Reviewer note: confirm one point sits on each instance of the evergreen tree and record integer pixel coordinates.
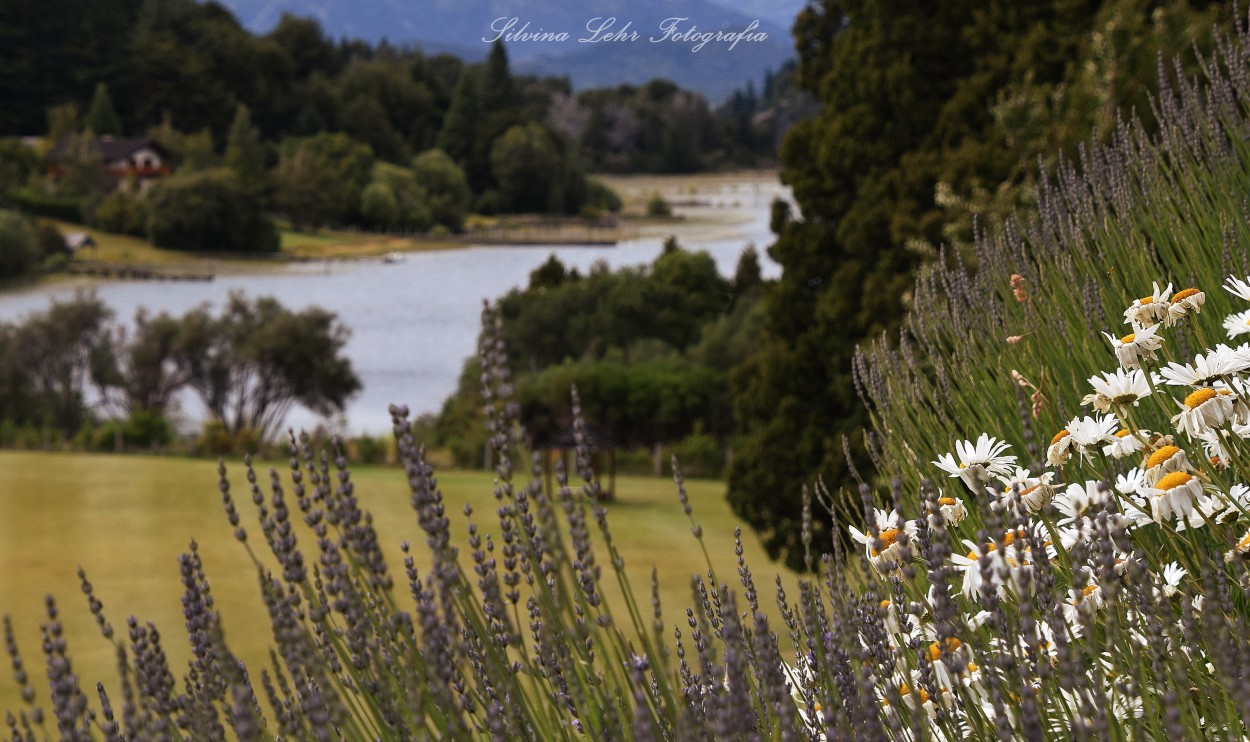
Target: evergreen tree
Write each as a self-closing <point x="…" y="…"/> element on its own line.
<point x="461" y="132"/>
<point x="101" y="116"/>
<point x="245" y="154"/>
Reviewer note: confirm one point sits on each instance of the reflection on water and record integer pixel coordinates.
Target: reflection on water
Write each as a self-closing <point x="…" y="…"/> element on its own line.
<point x="415" y="321"/>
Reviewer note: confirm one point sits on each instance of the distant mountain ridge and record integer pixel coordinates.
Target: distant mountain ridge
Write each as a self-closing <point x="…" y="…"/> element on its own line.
<point x="654" y="48"/>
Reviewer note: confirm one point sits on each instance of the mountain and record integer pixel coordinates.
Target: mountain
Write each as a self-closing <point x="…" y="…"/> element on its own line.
<point x="593" y="42"/>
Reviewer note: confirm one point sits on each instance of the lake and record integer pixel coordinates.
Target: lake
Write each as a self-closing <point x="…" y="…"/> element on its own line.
<point x="415" y="321"/>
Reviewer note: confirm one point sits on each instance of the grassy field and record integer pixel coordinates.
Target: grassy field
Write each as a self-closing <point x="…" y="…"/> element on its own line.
<point x="125" y="520"/>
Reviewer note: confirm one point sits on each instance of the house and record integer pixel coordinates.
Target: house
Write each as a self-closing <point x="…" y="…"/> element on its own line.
<point x="138" y="159"/>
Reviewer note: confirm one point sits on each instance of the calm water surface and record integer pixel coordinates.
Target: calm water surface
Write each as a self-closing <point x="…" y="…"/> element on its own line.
<point x="415" y="322"/>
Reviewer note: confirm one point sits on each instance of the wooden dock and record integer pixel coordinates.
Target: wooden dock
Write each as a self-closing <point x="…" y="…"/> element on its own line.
<point x="130" y="271"/>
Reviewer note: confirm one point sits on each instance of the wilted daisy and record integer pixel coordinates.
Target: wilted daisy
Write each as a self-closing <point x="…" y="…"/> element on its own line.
<point x="1124" y="443"/>
<point x="1231" y="504"/>
<point x="1034" y="492"/>
<point x="1237" y="324"/>
<point x="978" y="462"/>
<point x="1060" y="449"/>
<point x="1238" y="287"/>
<point x="889" y="527"/>
<point x="1173" y="496"/>
<point x="952" y="509"/>
<point x="1149" y="310"/>
<point x="1165" y="460"/>
<point x="1219" y="363"/>
<point x="1117" y="387"/>
<point x="1182" y="304"/>
<point x="1138" y="346"/>
<point x="1203" y="410"/>
<point x="1241" y="548"/>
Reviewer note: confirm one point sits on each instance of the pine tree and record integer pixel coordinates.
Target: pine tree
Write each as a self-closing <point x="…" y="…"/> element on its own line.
<point x="245" y="154"/>
<point x="461" y="132"/>
<point x="101" y="116"/>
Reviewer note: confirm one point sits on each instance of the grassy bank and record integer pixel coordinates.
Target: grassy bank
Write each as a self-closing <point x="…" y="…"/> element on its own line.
<point x="125" y="520"/>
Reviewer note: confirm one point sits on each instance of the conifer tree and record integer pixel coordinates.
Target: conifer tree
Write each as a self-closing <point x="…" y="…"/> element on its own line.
<point x="101" y="116"/>
<point x="245" y="154"/>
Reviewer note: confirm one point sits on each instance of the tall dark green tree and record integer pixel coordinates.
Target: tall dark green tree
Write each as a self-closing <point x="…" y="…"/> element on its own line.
<point x="101" y="116"/>
<point x="461" y="134"/>
<point x="245" y="154"/>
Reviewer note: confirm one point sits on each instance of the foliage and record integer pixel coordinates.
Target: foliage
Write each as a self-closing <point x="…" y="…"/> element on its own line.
<point x="208" y="210"/>
<point x="535" y="173"/>
<point x="253" y="362"/>
<point x="894" y="133"/>
<point x="245" y="154"/>
<point x="18" y="163"/>
<point x="446" y="188"/>
<point x="19" y="245"/>
<point x="122" y="212"/>
<point x="101" y="117"/>
<point x="319" y="180"/>
<point x="657" y="206"/>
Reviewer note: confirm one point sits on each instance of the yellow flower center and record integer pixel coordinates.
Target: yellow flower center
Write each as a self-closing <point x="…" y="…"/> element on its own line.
<point x="884" y="604"/>
<point x="1244" y="544"/>
<point x="1183" y="295"/>
<point x="946" y="501"/>
<point x="888" y="537"/>
<point x="935" y="649"/>
<point x="1129" y="338"/>
<point x="1197" y="398"/>
<point x="1146" y="300"/>
<point x="1160" y="456"/>
<point x="1121" y="434"/>
<point x="1173" y="480"/>
<point x="1060" y="436"/>
<point x="1088" y="590"/>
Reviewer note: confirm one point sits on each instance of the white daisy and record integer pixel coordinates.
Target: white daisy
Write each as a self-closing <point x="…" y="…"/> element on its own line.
<point x="978" y="462"/>
<point x="1117" y="388"/>
<point x="1173" y="496"/>
<point x="1238" y="287"/>
<point x="1149" y="310"/>
<point x="1237" y="324"/>
<point x="1088" y="433"/>
<point x="1173" y="573"/>
<point x="1080" y="501"/>
<point x="1219" y="363"/>
<point x="1006" y="565"/>
<point x="888" y="527"/>
<point x="1184" y="302"/>
<point x="1083" y="601"/>
<point x="1203" y="410"/>
<point x="1124" y="443"/>
<point x="1232" y="504"/>
<point x="1138" y="346"/>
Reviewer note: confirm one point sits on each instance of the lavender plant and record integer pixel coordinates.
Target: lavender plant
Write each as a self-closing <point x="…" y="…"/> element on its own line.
<point x="1099" y="591"/>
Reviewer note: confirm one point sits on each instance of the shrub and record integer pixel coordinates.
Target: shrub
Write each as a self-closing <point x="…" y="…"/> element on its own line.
<point x="208" y="210"/>
<point x="19" y="245"/>
<point x="121" y="213"/>
<point x="32" y="201"/>
<point x="658" y="207"/>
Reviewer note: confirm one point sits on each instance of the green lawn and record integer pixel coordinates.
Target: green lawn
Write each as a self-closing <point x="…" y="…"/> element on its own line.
<point x="126" y="519"/>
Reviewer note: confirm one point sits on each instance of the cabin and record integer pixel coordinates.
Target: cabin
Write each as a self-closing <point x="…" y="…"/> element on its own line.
<point x="140" y="160"/>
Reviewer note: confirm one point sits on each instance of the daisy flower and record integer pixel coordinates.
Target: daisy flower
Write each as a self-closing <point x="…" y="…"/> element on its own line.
<point x="1136" y="347"/>
<point x="1149" y="310"/>
<point x="1184" y="302"/>
<point x="952" y="509"/>
<point x="1080" y="501"/>
<point x="1083" y="601"/>
<point x="1238" y="287"/>
<point x="1237" y="324"/>
<point x="1241" y="548"/>
<point x="1117" y="388"/>
<point x="1034" y="492"/>
<point x="1088" y="433"/>
<point x="1204" y="410"/>
<point x="1004" y="567"/>
<point x="1174" y="496"/>
<point x="1164" y="460"/>
<point x="1234" y="503"/>
<point x="1124" y="444"/>
<point x="1221" y="362"/>
<point x="888" y="528"/>
<point x="1060" y="448"/>
<point x="1173" y="573"/>
<point x="978" y="462"/>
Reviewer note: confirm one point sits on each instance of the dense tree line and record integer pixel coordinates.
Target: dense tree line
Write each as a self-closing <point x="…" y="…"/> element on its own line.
<point x="65" y="370"/>
<point x="305" y="123"/>
<point x="932" y="116"/>
<point x="649" y="348"/>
